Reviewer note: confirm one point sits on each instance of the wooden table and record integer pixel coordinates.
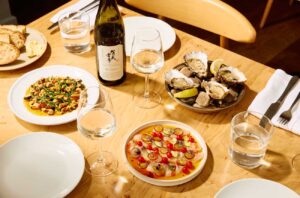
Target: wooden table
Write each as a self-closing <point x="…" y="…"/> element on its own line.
<point x="215" y="127"/>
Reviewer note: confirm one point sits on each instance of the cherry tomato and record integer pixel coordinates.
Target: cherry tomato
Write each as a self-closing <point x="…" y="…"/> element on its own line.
<point x="179" y="137"/>
<point x="154" y="134"/>
<point x="170" y="146"/>
<point x="183" y="149"/>
<point x="139" y="143"/>
<point x="155" y="150"/>
<point x="160" y="135"/>
<point x="191" y="139"/>
<point x="185" y="170"/>
<point x="164" y="160"/>
<point x="169" y="155"/>
<point x="141" y="159"/>
<point x="149" y="147"/>
<point x="189" y="165"/>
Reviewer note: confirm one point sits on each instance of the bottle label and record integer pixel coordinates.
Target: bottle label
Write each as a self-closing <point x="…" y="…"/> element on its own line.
<point x="110" y="59"/>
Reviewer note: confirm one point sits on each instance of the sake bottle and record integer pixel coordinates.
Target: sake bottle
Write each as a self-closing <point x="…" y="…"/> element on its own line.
<point x="110" y="43"/>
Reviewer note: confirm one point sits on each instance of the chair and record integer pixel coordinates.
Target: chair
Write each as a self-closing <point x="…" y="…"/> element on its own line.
<point x="267" y="11"/>
<point x="212" y="15"/>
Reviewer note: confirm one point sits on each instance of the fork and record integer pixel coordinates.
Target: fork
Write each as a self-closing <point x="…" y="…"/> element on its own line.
<point x="286" y="116"/>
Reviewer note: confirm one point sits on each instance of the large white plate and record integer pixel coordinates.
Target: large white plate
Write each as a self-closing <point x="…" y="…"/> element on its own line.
<point x="132" y="24"/>
<point x="40" y="164"/>
<point x="23" y="60"/>
<point x="258" y="188"/>
<point x="18" y="90"/>
<point x="174" y="182"/>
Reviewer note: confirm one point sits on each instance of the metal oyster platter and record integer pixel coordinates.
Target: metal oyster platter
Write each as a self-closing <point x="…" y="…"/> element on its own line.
<point x="201" y="86"/>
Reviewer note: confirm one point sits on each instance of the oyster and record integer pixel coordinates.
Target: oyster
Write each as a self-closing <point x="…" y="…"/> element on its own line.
<point x="186" y="71"/>
<point x="215" y="89"/>
<point x="178" y="80"/>
<point x="197" y="62"/>
<point x="230" y="75"/>
<point x="203" y="99"/>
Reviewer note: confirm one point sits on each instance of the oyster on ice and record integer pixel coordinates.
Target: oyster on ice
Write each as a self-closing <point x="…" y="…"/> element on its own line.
<point x="230" y="75"/>
<point x="197" y="62"/>
<point x="215" y="89"/>
<point x="178" y="80"/>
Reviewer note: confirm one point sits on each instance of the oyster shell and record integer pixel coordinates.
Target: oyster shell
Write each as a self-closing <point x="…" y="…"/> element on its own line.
<point x="215" y="89"/>
<point x="178" y="80"/>
<point x="230" y="75"/>
<point x="203" y="99"/>
<point x="197" y="62"/>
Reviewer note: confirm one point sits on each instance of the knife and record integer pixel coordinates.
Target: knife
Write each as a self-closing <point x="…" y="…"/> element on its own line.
<point x="273" y="108"/>
<point x="81" y="9"/>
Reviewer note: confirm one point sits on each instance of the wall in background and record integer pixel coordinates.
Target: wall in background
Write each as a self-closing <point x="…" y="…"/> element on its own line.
<point x="5" y="14"/>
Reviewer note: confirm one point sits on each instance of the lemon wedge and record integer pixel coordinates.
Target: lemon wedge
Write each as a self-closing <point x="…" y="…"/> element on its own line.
<point x="215" y="66"/>
<point x="187" y="93"/>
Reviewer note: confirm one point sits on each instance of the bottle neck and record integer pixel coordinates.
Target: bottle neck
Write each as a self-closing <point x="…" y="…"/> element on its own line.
<point x="108" y="3"/>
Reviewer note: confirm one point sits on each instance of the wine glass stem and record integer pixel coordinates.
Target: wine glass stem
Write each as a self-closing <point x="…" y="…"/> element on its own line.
<point x="146" y="92"/>
<point x="100" y="160"/>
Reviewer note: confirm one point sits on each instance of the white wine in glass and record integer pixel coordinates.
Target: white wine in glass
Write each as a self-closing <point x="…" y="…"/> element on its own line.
<point x="95" y="120"/>
<point x="147" y="57"/>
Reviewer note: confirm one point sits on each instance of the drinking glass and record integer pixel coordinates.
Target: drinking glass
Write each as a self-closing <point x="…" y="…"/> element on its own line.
<point x="249" y="140"/>
<point x="296" y="162"/>
<point x="96" y="120"/>
<point x="147" y="57"/>
<point x="75" y="31"/>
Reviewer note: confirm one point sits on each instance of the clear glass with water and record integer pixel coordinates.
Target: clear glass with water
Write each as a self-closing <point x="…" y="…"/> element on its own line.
<point x="249" y="140"/>
<point x="75" y="31"/>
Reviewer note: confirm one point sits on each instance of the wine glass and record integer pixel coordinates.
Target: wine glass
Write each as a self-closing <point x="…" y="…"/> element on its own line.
<point x="96" y="120"/>
<point x="147" y="57"/>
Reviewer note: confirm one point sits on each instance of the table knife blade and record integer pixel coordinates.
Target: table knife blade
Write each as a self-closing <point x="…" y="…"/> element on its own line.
<point x="274" y="107"/>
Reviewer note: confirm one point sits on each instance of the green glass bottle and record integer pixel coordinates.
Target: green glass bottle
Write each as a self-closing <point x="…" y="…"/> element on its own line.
<point x="110" y="43"/>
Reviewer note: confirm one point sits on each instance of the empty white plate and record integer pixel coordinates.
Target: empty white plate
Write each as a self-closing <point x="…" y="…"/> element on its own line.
<point x="258" y="188"/>
<point x="18" y="90"/>
<point x="132" y="24"/>
<point x="40" y="164"/>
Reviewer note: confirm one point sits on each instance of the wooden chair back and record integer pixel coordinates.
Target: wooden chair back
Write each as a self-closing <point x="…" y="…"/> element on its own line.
<point x="212" y="15"/>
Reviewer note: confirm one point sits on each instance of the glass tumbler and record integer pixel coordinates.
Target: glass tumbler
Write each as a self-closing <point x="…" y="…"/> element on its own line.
<point x="75" y="31"/>
<point x="249" y="140"/>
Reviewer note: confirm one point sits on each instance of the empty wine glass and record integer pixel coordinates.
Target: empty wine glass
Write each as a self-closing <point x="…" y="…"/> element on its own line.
<point x="96" y="120"/>
<point x="147" y="57"/>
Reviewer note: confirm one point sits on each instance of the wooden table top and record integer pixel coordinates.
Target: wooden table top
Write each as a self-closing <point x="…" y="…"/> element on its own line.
<point x="214" y="127"/>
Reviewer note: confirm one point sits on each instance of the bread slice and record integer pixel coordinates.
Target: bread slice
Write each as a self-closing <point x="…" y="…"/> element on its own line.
<point x="17" y="38"/>
<point x="19" y="28"/>
<point x="8" y="53"/>
<point x="33" y="48"/>
<point x="4" y="38"/>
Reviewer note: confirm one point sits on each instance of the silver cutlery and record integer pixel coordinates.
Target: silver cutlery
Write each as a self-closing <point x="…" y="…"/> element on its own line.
<point x="286" y="116"/>
<point x="274" y="107"/>
<point x="81" y="9"/>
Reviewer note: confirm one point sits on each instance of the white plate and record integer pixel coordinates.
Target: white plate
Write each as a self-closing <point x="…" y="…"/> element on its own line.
<point x="40" y="164"/>
<point x="18" y="90"/>
<point x="258" y="188"/>
<point x="132" y="24"/>
<point x="173" y="182"/>
<point x="23" y="60"/>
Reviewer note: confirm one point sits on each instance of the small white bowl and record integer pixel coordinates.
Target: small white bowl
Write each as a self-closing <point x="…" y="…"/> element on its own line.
<point x="173" y="182"/>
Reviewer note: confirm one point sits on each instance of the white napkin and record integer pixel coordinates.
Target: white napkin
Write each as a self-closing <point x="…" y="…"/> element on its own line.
<point x="80" y="4"/>
<point x="273" y="90"/>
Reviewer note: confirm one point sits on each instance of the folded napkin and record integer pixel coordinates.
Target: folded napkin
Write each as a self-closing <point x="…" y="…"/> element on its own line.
<point x="271" y="93"/>
<point x="80" y="4"/>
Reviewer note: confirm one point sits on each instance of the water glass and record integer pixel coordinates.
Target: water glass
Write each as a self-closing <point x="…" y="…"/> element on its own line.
<point x="75" y="31"/>
<point x="249" y="140"/>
